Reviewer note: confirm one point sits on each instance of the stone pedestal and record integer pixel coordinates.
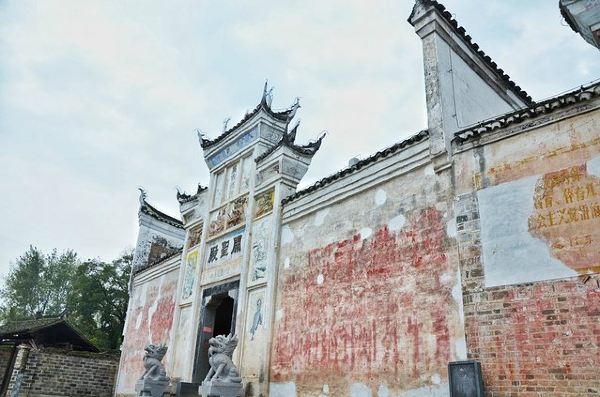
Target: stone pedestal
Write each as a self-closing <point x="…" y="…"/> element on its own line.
<point x="214" y="388"/>
<point x="153" y="388"/>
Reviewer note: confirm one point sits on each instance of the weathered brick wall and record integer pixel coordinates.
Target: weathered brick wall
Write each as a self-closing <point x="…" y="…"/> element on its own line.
<point x="532" y="339"/>
<point x="66" y="373"/>
<point x="369" y="293"/>
<point x="528" y="253"/>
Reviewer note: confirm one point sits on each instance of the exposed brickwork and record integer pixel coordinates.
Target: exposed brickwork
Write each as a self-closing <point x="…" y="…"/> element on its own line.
<point x="535" y="339"/>
<point x="5" y="353"/>
<point x="65" y="373"/>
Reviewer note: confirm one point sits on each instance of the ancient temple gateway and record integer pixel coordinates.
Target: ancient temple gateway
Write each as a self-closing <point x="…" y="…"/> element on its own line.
<point x="476" y="238"/>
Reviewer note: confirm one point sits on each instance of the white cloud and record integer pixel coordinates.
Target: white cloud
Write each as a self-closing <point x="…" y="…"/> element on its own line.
<point x="96" y="99"/>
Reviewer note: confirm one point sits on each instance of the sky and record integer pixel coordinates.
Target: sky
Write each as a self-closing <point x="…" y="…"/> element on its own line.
<point x="99" y="98"/>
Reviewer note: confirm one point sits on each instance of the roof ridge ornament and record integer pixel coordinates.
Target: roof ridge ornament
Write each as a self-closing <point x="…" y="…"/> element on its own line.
<point x="201" y="137"/>
<point x="143" y="196"/>
<point x="294" y="108"/>
<point x="225" y="123"/>
<point x="267" y="97"/>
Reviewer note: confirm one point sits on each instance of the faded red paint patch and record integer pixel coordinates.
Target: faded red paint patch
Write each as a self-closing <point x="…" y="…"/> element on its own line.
<point x="153" y="326"/>
<point x="383" y="312"/>
<point x="567" y="217"/>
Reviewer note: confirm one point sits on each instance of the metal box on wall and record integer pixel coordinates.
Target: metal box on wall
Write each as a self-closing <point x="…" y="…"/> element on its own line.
<point x="465" y="379"/>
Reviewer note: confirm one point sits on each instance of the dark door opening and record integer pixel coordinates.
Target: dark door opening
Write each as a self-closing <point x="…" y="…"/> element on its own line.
<point x="223" y="317"/>
<point x="217" y="317"/>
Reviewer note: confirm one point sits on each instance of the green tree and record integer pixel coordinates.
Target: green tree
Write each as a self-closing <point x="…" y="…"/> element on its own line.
<point x="38" y="284"/>
<point x="98" y="299"/>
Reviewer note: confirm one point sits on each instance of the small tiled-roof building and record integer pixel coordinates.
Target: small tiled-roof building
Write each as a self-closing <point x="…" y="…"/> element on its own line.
<point x="49" y="356"/>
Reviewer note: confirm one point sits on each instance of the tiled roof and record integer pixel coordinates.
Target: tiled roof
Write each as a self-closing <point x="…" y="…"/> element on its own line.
<point x="288" y="140"/>
<point x="357" y="166"/>
<point x="186" y="198"/>
<point x="156" y="262"/>
<point x="485" y="58"/>
<point x="567" y="17"/>
<point x="284" y="115"/>
<point x="159" y="215"/>
<point x="49" y="330"/>
<point x="28" y="325"/>
<point x="581" y="94"/>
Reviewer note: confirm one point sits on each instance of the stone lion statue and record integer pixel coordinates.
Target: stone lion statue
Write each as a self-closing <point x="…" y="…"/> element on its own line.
<point x="220" y="351"/>
<point x="155" y="370"/>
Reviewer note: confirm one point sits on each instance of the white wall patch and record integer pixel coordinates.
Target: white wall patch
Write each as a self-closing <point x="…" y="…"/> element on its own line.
<point x="396" y="223"/>
<point x="366" y="232"/>
<point x="380" y="197"/>
<point x="287" y="389"/>
<point x="320" y="279"/>
<point x="287" y="236"/>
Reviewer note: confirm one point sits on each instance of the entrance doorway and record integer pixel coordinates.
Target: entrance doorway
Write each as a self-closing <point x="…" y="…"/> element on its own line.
<point x="223" y="317"/>
<point x="217" y="317"/>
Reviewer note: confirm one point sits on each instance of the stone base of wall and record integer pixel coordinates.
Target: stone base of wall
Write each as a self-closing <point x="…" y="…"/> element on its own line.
<point x="57" y="372"/>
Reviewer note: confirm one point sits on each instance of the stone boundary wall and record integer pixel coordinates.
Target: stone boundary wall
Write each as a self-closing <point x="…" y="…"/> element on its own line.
<point x="57" y="372"/>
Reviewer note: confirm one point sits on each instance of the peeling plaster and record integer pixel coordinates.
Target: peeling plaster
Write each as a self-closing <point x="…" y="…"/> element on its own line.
<point x="380" y="197"/>
<point x="429" y="170"/>
<point x="383" y="391"/>
<point x="286" y="262"/>
<point x="360" y="390"/>
<point x="287" y="389"/>
<point x="451" y="227"/>
<point x="287" y="236"/>
<point x="320" y="216"/>
<point x="138" y="320"/>
<point x="510" y="253"/>
<point x="278" y="314"/>
<point x="593" y="166"/>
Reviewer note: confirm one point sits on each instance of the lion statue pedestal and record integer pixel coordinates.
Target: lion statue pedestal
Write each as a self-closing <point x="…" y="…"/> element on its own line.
<point x="223" y="378"/>
<point x="154" y="382"/>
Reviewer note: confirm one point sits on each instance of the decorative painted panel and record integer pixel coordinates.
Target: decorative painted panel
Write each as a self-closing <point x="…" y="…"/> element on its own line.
<point x="218" y="197"/>
<point x="271" y="134"/>
<point x="240" y="143"/>
<point x="246" y="173"/>
<point x="232" y="173"/>
<point x="191" y="263"/>
<point x="229" y="216"/>
<point x="237" y="212"/>
<point x="261" y="237"/>
<point x="254" y="334"/>
<point x="264" y="203"/>
<point x="267" y="173"/>
<point x="218" y="222"/>
<point x="195" y="235"/>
